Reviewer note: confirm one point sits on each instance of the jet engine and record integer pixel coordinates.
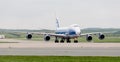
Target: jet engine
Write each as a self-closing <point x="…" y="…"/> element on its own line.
<point x="88" y="37"/>
<point x="101" y="36"/>
<point x="29" y="36"/>
<point x="47" y="37"/>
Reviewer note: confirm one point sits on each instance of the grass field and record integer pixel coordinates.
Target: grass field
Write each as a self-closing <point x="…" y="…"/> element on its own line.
<point x="8" y="42"/>
<point x="82" y="39"/>
<point x="58" y="59"/>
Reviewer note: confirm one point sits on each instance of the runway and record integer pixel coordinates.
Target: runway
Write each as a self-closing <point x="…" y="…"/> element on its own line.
<point x="39" y="48"/>
<point x="61" y="51"/>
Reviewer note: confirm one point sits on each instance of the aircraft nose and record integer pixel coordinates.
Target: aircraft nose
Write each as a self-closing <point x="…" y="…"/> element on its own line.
<point x="77" y="31"/>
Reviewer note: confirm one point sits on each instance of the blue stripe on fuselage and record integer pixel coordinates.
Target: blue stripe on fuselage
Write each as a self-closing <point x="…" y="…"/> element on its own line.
<point x="69" y="32"/>
<point x="72" y="32"/>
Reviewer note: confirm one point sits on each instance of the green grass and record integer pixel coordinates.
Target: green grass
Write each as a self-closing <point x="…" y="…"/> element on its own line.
<point x="8" y="42"/>
<point x="82" y="39"/>
<point x="58" y="59"/>
<point x="106" y="40"/>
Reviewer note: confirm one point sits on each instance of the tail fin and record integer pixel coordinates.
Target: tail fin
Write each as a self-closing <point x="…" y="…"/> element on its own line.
<point x="57" y="23"/>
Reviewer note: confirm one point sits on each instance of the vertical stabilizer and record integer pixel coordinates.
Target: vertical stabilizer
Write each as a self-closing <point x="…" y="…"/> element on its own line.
<point x="57" y="23"/>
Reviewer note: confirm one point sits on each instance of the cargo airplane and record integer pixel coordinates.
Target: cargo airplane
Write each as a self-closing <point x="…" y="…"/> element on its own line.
<point x="67" y="33"/>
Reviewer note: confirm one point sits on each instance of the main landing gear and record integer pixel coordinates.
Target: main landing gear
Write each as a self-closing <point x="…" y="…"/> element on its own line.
<point x="63" y="40"/>
<point x="68" y="40"/>
<point x="56" y="40"/>
<point x="75" y="40"/>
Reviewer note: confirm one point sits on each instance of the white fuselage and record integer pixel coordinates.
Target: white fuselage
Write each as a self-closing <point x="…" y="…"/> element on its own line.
<point x="73" y="31"/>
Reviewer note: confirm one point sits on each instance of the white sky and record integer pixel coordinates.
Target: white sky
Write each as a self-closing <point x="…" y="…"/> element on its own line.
<point x="40" y="14"/>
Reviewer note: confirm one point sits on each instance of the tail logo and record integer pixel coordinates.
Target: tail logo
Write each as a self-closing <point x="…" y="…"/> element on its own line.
<point x="57" y="23"/>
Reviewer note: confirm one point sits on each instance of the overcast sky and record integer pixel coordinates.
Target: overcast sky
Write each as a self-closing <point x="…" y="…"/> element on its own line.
<point x="41" y="14"/>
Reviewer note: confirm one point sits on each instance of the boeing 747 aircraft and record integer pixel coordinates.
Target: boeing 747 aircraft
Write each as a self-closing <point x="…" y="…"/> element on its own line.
<point x="67" y="33"/>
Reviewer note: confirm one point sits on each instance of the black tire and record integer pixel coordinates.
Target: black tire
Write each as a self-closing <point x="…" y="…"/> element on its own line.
<point x="75" y="41"/>
<point x="56" y="41"/>
<point x="68" y="41"/>
<point x="61" y="41"/>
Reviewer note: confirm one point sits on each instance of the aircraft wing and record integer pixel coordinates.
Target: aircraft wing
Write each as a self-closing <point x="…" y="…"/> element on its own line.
<point x="99" y="34"/>
<point x="93" y="33"/>
<point x="63" y="35"/>
<point x="96" y="33"/>
<point x="50" y="34"/>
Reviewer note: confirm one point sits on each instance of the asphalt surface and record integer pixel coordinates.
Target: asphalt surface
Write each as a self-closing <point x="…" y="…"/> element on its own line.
<point x="61" y="51"/>
<point x="41" y="48"/>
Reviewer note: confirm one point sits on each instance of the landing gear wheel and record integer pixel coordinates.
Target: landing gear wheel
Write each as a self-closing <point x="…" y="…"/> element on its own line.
<point x="75" y="41"/>
<point x="56" y="41"/>
<point x="61" y="41"/>
<point x="68" y="41"/>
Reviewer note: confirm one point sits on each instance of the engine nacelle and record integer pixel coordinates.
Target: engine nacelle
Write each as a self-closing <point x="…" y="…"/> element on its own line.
<point x="47" y="38"/>
<point x="89" y="38"/>
<point x="101" y="36"/>
<point x="29" y="36"/>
